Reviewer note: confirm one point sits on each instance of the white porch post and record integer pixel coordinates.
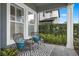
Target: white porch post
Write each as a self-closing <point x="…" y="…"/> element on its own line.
<point x="38" y="18"/>
<point x="70" y="27"/>
<point x="26" y="24"/>
<point x="36" y="22"/>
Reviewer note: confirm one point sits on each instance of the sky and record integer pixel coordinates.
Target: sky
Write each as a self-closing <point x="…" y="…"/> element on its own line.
<point x="63" y="14"/>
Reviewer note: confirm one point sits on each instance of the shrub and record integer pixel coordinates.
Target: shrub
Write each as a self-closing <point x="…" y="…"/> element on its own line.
<point x="8" y="52"/>
<point x="52" y="39"/>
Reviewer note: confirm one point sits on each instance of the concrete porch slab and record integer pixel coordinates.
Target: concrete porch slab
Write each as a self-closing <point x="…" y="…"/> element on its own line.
<point x="63" y="51"/>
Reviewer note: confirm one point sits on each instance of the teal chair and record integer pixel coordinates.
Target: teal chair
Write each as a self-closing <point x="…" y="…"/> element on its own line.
<point x="36" y="38"/>
<point x="19" y="40"/>
<point x="21" y="43"/>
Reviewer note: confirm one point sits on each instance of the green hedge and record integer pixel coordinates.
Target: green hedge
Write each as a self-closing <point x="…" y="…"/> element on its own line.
<point x="53" y="28"/>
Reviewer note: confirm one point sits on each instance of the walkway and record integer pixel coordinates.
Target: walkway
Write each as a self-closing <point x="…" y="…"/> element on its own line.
<point x="50" y="50"/>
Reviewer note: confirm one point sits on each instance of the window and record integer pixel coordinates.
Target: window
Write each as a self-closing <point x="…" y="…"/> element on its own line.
<point x="19" y="15"/>
<point x="16" y="20"/>
<point x="12" y="12"/>
<point x="31" y="22"/>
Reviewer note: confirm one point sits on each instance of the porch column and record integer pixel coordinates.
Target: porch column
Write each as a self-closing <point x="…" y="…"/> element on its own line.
<point x="70" y="27"/>
<point x="36" y="22"/>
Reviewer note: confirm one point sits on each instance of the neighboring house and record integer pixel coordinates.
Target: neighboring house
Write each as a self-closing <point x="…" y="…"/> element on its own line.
<point x="49" y="16"/>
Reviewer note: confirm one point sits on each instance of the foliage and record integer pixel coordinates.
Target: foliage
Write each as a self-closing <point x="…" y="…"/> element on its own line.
<point x="76" y="37"/>
<point x="54" y="33"/>
<point x="53" y="28"/>
<point x="8" y="52"/>
<point x="50" y="38"/>
<point x="76" y="31"/>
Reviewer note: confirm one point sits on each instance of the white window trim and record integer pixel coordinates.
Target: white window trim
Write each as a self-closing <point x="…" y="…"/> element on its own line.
<point x="16" y="22"/>
<point x="16" y="7"/>
<point x="26" y="9"/>
<point x="9" y="41"/>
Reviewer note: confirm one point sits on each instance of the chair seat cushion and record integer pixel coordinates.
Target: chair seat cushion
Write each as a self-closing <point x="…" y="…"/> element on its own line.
<point x="20" y="45"/>
<point x="36" y="38"/>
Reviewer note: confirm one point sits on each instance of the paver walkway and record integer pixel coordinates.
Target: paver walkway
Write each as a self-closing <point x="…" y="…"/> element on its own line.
<point x="50" y="50"/>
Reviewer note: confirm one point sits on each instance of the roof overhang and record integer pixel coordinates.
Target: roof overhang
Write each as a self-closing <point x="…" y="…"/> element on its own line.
<point x="46" y="6"/>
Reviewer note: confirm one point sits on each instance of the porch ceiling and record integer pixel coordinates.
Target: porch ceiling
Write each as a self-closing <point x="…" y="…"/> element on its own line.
<point x="46" y="6"/>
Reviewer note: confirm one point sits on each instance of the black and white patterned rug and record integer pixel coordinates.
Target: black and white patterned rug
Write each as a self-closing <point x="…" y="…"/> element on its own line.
<point x="42" y="51"/>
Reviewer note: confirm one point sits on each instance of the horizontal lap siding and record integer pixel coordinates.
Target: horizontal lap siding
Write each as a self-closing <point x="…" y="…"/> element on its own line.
<point x="3" y="24"/>
<point x="0" y="25"/>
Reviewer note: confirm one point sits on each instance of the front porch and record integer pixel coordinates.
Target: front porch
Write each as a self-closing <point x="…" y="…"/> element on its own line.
<point x="16" y="20"/>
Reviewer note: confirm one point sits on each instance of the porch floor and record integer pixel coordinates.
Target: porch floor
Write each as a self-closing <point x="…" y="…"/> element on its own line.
<point x="49" y="50"/>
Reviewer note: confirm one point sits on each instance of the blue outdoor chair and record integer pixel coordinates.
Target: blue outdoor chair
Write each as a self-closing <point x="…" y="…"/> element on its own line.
<point x="19" y="40"/>
<point x="36" y="38"/>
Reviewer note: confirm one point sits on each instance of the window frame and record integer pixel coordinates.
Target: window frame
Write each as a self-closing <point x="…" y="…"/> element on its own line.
<point x="26" y="9"/>
<point x="9" y="40"/>
<point x="29" y="24"/>
<point x="15" y="21"/>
